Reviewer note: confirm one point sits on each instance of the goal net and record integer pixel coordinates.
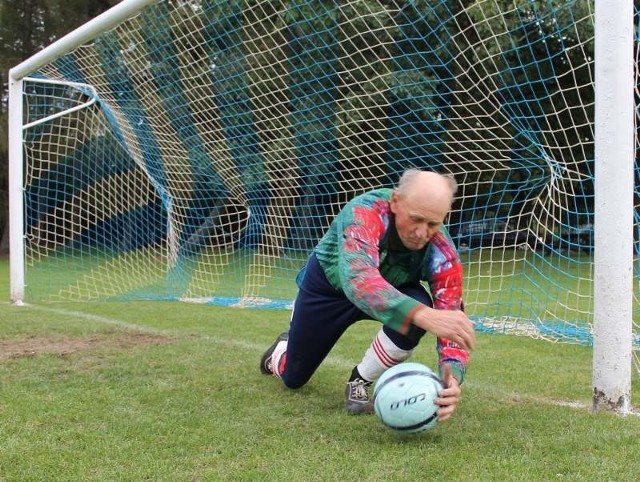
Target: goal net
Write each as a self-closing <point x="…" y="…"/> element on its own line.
<point x="198" y="149"/>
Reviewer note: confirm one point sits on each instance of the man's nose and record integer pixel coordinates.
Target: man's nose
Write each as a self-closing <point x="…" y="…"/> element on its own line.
<point x="430" y="232"/>
<point x="423" y="232"/>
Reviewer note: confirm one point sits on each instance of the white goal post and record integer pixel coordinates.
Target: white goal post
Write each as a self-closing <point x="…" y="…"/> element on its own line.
<point x="195" y="150"/>
<point x="615" y="148"/>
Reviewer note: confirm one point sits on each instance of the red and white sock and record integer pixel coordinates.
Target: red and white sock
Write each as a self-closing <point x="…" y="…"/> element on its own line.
<point x="382" y="354"/>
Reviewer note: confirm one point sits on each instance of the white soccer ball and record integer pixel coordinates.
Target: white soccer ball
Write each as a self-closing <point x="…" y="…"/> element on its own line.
<point x="403" y="398"/>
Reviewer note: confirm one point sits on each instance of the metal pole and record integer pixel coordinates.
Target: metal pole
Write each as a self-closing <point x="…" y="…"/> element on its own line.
<point x="16" y="199"/>
<point x="81" y="35"/>
<point x="613" y="213"/>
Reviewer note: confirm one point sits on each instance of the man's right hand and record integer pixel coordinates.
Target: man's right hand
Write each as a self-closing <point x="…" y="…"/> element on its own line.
<point x="452" y="325"/>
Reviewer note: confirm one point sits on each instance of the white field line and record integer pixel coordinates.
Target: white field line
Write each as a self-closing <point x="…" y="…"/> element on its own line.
<point x="331" y="359"/>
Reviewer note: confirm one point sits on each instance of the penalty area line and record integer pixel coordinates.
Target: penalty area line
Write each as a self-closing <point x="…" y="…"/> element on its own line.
<point x="235" y="342"/>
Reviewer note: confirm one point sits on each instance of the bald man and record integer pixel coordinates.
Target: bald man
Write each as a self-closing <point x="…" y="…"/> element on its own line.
<point x="371" y="264"/>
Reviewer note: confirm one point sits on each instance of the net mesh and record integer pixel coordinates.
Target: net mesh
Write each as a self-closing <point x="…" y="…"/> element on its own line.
<point x="198" y="150"/>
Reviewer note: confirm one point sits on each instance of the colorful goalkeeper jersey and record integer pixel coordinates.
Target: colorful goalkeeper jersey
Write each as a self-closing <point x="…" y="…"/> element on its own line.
<point x="362" y="255"/>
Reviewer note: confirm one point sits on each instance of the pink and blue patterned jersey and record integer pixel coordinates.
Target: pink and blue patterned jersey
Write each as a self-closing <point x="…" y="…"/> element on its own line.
<point x="362" y="255"/>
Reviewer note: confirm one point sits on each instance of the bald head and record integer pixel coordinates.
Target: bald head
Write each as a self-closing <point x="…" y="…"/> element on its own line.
<point x="420" y="203"/>
<point x="435" y="187"/>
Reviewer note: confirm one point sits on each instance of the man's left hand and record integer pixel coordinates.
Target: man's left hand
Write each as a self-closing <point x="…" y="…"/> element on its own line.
<point x="449" y="396"/>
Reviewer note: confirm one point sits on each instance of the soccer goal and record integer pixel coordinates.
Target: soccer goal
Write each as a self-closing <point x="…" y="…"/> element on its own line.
<point x="196" y="150"/>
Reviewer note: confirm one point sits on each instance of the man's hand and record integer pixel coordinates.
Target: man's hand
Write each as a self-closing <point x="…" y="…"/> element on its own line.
<point x="452" y="325"/>
<point x="449" y="396"/>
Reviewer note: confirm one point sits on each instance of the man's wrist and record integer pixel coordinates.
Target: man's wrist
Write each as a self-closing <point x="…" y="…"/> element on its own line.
<point x="457" y="372"/>
<point x="422" y="318"/>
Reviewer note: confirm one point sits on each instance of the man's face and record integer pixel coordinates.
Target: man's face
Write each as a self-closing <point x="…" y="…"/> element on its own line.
<point x="418" y="217"/>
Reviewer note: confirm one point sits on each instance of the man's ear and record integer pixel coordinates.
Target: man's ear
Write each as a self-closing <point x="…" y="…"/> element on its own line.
<point x="394" y="201"/>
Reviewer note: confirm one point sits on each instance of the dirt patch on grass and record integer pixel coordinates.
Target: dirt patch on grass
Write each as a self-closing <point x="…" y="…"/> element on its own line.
<point x="34" y="346"/>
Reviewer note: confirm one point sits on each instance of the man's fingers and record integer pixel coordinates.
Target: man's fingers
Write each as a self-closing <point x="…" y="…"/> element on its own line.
<point x="468" y="338"/>
<point x="466" y="333"/>
<point x="465" y="342"/>
<point x="444" y="414"/>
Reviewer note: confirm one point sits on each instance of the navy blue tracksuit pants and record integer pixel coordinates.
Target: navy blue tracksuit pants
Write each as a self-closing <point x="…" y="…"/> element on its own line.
<point x="321" y="314"/>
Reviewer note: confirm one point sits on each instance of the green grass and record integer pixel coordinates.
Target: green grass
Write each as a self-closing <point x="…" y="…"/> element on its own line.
<point x="168" y="391"/>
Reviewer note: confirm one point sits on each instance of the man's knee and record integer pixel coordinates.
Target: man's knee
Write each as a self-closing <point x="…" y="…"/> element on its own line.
<point x="406" y="341"/>
<point x="293" y="379"/>
<point x="294" y="385"/>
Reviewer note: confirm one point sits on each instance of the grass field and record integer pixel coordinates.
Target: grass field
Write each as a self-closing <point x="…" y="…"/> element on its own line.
<point x="171" y="392"/>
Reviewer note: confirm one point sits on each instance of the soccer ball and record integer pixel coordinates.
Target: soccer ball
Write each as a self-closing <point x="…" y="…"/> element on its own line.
<point x="403" y="398"/>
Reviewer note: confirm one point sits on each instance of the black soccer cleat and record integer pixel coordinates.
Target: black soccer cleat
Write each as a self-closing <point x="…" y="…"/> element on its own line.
<point x="357" y="394"/>
<point x="266" y="365"/>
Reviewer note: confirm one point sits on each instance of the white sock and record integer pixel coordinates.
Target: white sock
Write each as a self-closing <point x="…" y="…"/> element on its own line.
<point x="277" y="361"/>
<point x="382" y="354"/>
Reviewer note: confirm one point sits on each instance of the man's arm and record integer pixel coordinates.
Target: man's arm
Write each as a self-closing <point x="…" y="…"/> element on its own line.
<point x="454" y="330"/>
<point x="360" y="230"/>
